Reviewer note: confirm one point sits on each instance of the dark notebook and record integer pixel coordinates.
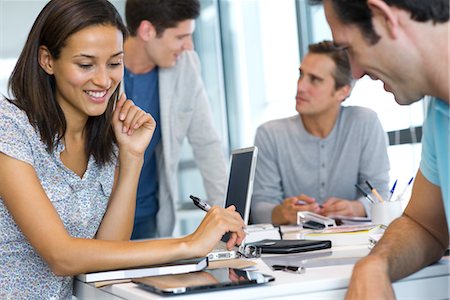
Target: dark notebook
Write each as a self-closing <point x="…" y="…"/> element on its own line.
<point x="290" y="246"/>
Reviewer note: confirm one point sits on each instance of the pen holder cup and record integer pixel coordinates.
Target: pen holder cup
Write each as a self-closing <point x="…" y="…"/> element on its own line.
<point x="386" y="212"/>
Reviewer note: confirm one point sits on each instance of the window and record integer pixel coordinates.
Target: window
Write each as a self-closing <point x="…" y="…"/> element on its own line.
<point x="249" y="53"/>
<point x="261" y="59"/>
<point x="15" y="23"/>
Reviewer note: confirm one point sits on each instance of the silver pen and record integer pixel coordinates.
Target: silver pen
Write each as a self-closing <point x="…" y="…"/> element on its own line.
<point x="200" y="204"/>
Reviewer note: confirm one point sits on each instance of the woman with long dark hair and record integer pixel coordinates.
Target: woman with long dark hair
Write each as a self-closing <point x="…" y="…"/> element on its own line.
<point x="71" y="151"/>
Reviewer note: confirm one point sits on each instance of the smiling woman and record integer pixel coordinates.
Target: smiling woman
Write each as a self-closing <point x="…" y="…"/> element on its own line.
<point x="88" y="71"/>
<point x="50" y="34"/>
<point x="77" y="148"/>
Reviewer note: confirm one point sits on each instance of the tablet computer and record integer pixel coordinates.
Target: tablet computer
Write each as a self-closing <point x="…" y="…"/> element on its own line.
<point x="207" y="280"/>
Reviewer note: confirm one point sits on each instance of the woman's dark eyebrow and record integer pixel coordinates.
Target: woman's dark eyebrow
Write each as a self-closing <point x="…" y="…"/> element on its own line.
<point x="92" y="56"/>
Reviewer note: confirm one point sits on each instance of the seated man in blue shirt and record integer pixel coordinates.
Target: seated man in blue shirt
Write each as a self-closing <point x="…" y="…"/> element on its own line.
<point x="405" y="44"/>
<point x="313" y="160"/>
<point x="162" y="76"/>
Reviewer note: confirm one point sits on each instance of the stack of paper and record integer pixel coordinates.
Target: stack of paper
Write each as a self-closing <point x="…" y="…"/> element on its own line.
<point x="344" y="235"/>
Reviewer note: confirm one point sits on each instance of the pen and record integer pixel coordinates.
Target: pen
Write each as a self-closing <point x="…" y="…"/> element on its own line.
<point x="374" y="191"/>
<point x="364" y="193"/>
<point x="392" y="190"/>
<point x="399" y="197"/>
<point x="301" y="202"/>
<point x="200" y="204"/>
<point x="206" y="207"/>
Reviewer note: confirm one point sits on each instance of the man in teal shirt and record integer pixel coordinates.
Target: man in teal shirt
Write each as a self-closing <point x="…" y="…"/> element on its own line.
<point x="435" y="164"/>
<point x="405" y="44"/>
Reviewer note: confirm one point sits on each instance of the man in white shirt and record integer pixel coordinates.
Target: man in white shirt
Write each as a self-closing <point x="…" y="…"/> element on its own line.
<point x="162" y="76"/>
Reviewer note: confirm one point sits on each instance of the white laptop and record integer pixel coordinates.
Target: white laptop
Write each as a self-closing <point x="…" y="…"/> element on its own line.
<point x="241" y="174"/>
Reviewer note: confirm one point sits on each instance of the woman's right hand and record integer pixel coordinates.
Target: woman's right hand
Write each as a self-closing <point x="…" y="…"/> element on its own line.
<point x="132" y="126"/>
<point x="216" y="223"/>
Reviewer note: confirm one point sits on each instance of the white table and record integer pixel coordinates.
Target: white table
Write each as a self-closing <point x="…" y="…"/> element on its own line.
<point x="316" y="283"/>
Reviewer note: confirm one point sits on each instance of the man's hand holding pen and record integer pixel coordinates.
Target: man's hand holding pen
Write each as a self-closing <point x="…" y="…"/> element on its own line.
<point x="286" y="212"/>
<point x="342" y="207"/>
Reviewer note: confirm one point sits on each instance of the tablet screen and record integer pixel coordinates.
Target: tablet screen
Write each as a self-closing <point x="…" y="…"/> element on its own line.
<point x="207" y="280"/>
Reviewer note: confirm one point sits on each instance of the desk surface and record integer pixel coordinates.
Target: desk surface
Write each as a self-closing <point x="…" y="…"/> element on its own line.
<point x="319" y="282"/>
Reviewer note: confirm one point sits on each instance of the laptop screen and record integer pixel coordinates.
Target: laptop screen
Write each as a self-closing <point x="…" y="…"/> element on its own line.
<point x="240" y="180"/>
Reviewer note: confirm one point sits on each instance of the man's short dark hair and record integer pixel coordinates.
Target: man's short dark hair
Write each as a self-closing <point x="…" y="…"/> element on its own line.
<point x="162" y="14"/>
<point x="342" y="72"/>
<point x="357" y="12"/>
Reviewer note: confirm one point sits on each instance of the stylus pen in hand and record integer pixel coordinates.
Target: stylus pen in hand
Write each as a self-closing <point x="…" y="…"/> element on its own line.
<point x="204" y="206"/>
<point x="200" y="204"/>
<point x="301" y="202"/>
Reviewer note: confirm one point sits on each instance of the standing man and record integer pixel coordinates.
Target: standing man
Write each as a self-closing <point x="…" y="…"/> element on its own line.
<point x="313" y="160"/>
<point x="162" y="76"/>
<point x="405" y="44"/>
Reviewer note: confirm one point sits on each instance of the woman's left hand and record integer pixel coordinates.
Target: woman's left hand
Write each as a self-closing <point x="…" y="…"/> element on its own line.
<point x="132" y="126"/>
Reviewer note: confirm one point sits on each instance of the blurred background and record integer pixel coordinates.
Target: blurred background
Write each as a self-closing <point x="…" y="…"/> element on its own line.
<point x="250" y="51"/>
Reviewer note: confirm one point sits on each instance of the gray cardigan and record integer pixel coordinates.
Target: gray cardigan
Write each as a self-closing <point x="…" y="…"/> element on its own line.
<point x="291" y="161"/>
<point x="185" y="112"/>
